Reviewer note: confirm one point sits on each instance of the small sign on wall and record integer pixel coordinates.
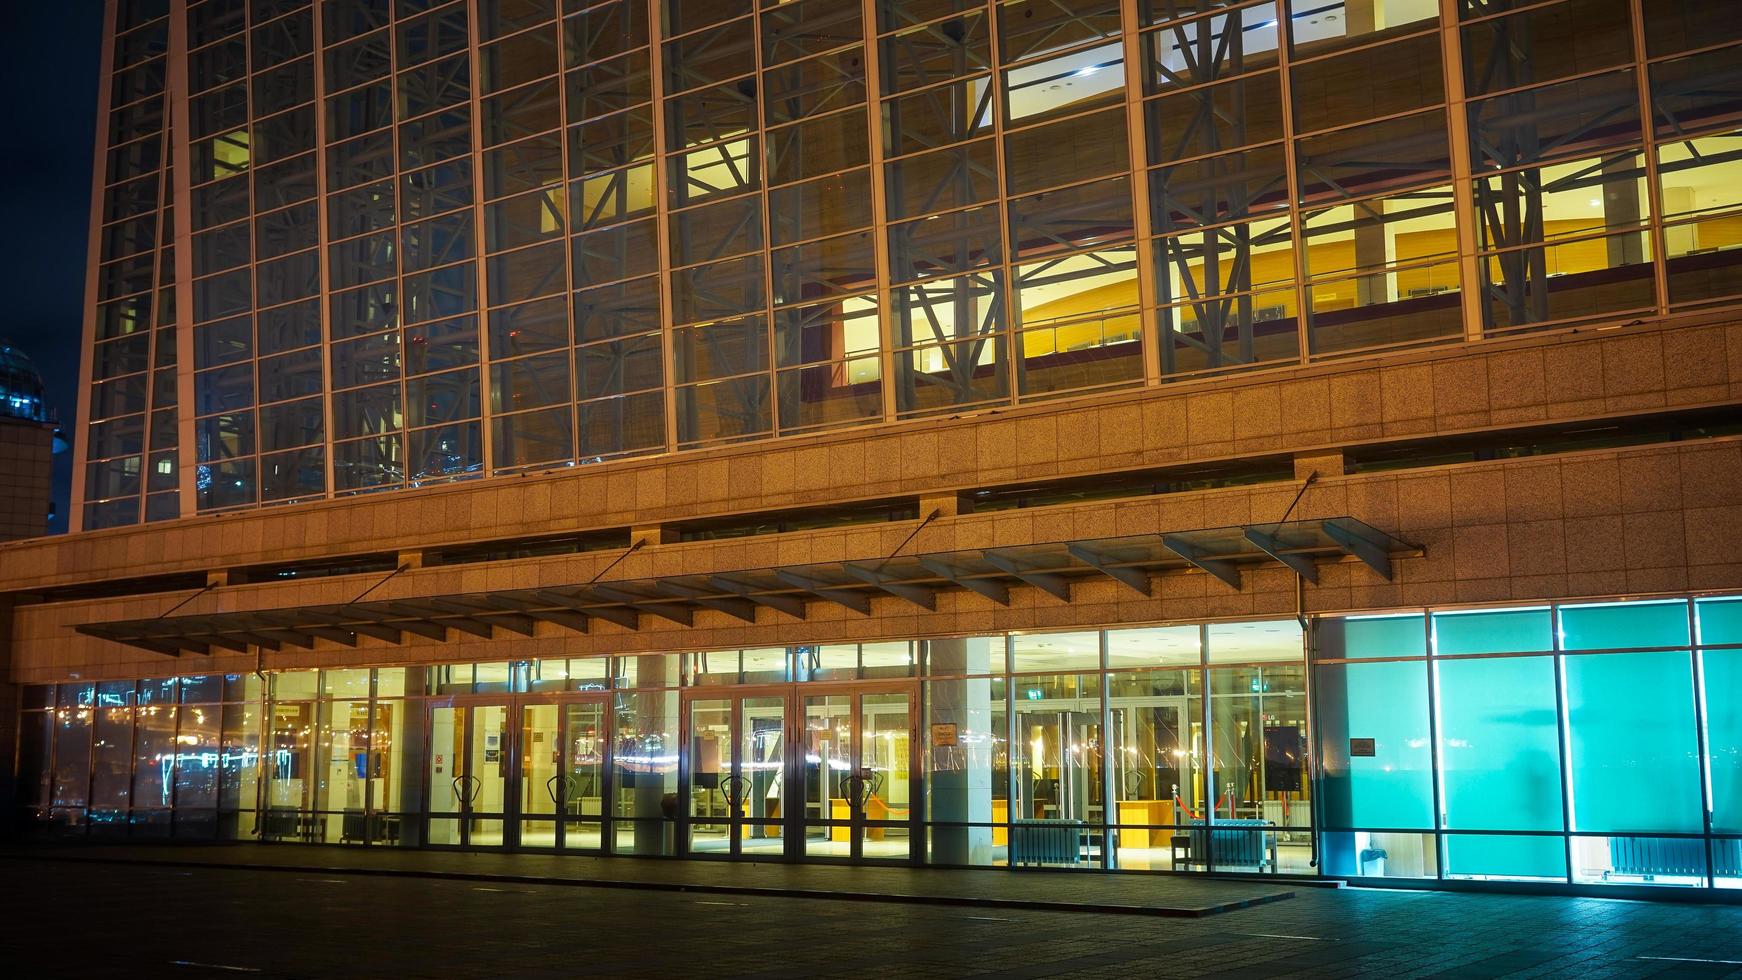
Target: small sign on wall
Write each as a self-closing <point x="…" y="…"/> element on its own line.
<point x="943" y="735"/>
<point x="1362" y="748"/>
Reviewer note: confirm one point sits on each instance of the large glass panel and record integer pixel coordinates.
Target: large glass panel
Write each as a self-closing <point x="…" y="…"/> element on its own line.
<point x="290" y="769"/>
<point x="447" y="777"/>
<point x="885" y="773"/>
<point x="644" y="761"/>
<point x="1499" y="743"/>
<point x="154" y="757"/>
<point x="1493" y="631"/>
<point x="1624" y="625"/>
<point x="828" y="774"/>
<point x="761" y="784"/>
<point x="583" y="774"/>
<point x="112" y="746"/>
<point x="197" y="759"/>
<point x="1374" y="744"/>
<point x="1056" y="745"/>
<point x="1159" y="782"/>
<point x="712" y="786"/>
<point x="1263" y="801"/>
<point x="239" y="775"/>
<point x="541" y="784"/>
<point x="1631" y="746"/>
<point x="72" y="746"/>
<point x="1721" y="676"/>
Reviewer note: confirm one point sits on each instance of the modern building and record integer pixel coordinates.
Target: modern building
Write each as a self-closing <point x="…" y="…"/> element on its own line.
<point x="29" y="439"/>
<point x="1286" y="437"/>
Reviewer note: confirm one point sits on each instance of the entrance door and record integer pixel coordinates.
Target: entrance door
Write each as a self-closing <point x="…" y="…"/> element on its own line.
<point x="517" y="772"/>
<point x="857" y="759"/>
<point x="737" y="769"/>
<point x="470" y="761"/>
<point x="560" y="775"/>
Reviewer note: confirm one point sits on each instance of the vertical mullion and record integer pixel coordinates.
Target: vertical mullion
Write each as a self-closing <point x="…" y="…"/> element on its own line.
<point x="369" y="751"/>
<point x="480" y="243"/>
<point x="1297" y="222"/>
<point x="1653" y="185"/>
<point x="566" y="229"/>
<point x="764" y="160"/>
<point x="1560" y="690"/>
<point x="1471" y="291"/>
<point x="662" y="213"/>
<point x="1109" y="806"/>
<point x="1697" y="657"/>
<point x="1206" y="712"/>
<point x="873" y="59"/>
<point x="323" y="236"/>
<point x="1008" y="297"/>
<point x="1142" y="225"/>
<point x="175" y="106"/>
<point x="94" y="254"/>
<point x="1435" y="742"/>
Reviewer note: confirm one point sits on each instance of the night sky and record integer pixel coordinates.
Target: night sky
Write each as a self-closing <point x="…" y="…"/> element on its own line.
<point x="48" y="61"/>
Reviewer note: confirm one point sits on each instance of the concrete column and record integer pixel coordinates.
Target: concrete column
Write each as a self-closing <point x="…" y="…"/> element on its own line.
<point x="655" y="836"/>
<point x="961" y="774"/>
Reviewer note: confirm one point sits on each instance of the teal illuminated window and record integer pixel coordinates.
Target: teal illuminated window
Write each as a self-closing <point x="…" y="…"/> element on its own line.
<point x="1624" y="625"/>
<point x="1493" y="631"/>
<point x="1374" y="740"/>
<point x="1631" y="746"/>
<point x="1504" y="856"/>
<point x="1500" y="766"/>
<point x="1364" y="637"/>
<point x="1722" y="673"/>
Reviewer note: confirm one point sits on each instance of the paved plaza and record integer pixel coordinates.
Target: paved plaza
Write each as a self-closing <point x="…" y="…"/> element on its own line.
<point x="223" y="918"/>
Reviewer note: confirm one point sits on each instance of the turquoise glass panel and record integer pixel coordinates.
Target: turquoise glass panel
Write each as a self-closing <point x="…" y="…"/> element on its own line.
<point x="1384" y="636"/>
<point x="1633" y="756"/>
<point x="1722" y="673"/>
<point x="1500" y="765"/>
<point x="1392" y="788"/>
<point x="1720" y="620"/>
<point x="1499" y="631"/>
<point x="1500" y="856"/>
<point x="1621" y="625"/>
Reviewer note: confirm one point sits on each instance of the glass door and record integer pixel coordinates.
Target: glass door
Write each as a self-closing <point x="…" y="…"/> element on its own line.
<point x="735" y="777"/>
<point x="857" y="762"/>
<point x="586" y="747"/>
<point x="561" y="774"/>
<point x="540" y="792"/>
<point x="470" y="762"/>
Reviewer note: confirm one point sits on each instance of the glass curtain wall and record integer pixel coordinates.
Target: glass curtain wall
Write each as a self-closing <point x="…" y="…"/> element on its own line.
<point x="451" y="239"/>
<point x="1590" y="743"/>
<point x="131" y="469"/>
<point x="167" y="757"/>
<point x="1594" y="743"/>
<point x="1100" y="749"/>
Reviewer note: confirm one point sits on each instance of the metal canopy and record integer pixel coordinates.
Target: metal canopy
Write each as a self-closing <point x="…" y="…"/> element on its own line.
<point x="991" y="573"/>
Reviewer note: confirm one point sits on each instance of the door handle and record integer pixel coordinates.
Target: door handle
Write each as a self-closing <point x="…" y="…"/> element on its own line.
<point x="473" y="784"/>
<point x="736" y="789"/>
<point x="550" y="789"/>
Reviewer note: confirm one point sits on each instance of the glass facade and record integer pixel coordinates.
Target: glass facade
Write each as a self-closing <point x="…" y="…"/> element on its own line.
<point x="435" y="241"/>
<point x="1586" y="742"/>
<point x="962" y="751"/>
